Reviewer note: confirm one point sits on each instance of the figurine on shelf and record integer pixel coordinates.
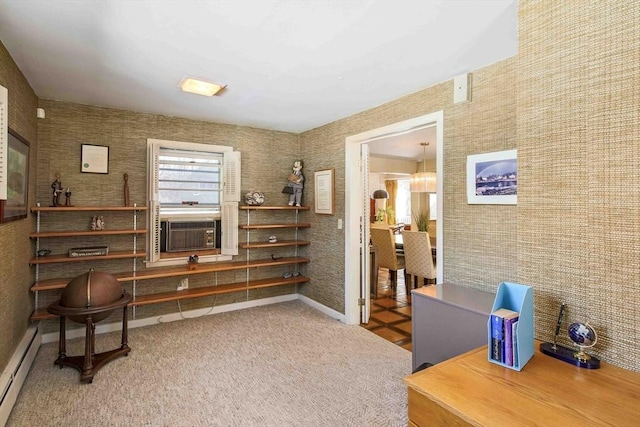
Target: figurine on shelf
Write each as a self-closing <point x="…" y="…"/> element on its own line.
<point x="192" y="262"/>
<point x="296" y="180"/>
<point x="126" y="190"/>
<point x="56" y="185"/>
<point x="97" y="223"/>
<point x="67" y="194"/>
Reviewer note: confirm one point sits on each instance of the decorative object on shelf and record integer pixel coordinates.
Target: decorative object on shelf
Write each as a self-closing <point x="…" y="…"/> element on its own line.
<point x="296" y="180"/>
<point x="287" y="275"/>
<point x="95" y="159"/>
<point x="254" y="198"/>
<point x="125" y="189"/>
<point x="273" y="239"/>
<point x="67" y="194"/>
<point x="92" y="251"/>
<point x="56" y="186"/>
<point x="324" y="193"/>
<point x="97" y="223"/>
<point x="90" y="298"/>
<point x="583" y="335"/>
<point x="274" y="257"/>
<point x="192" y="262"/>
<point x="43" y="252"/>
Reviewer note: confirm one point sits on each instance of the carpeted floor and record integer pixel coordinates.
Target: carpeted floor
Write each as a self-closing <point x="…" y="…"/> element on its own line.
<point x="279" y="365"/>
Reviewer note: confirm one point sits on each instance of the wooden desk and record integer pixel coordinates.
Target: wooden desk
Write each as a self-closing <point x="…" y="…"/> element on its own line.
<point x="470" y="391"/>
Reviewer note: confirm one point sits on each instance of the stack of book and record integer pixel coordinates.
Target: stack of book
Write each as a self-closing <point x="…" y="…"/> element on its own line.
<point x="504" y="337"/>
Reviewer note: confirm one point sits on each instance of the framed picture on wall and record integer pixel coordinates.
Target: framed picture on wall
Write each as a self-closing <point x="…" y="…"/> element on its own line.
<point x="15" y="207"/>
<point x="95" y="159"/>
<point x="324" y="191"/>
<point x="492" y="178"/>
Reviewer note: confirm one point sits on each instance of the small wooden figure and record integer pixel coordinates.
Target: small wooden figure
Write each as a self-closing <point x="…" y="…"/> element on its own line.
<point x="126" y="190"/>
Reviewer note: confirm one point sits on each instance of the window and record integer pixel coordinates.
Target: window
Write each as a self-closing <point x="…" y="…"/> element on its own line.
<point x="403" y="202"/>
<point x="189" y="182"/>
<point x="192" y="186"/>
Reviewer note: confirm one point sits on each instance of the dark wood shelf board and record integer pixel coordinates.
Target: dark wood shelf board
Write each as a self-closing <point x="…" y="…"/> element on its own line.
<point x="43" y="314"/>
<point x="181" y="270"/>
<point x="257" y="245"/>
<point x="275" y="208"/>
<point x="52" y="259"/>
<point x="85" y="233"/>
<point x="267" y="226"/>
<point x="86" y="208"/>
<point x="215" y="290"/>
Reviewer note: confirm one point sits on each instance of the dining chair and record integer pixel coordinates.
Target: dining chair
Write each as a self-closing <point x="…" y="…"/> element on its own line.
<point x="383" y="240"/>
<point x="418" y="258"/>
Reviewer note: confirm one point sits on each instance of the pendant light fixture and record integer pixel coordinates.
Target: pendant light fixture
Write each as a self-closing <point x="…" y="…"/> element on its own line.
<point x="423" y="182"/>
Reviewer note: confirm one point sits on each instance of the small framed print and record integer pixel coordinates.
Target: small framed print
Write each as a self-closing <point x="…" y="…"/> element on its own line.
<point x="492" y="178"/>
<point x="94" y="159"/>
<point x="324" y="191"/>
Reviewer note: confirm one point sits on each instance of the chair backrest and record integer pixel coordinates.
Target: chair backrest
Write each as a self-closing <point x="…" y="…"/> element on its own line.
<point x="383" y="240"/>
<point x="417" y="254"/>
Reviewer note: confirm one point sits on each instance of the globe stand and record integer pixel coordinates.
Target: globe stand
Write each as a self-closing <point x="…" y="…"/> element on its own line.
<point x="570" y="356"/>
<point x="91" y="362"/>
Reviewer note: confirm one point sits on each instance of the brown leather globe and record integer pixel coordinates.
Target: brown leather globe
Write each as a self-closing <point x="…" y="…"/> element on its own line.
<point x="91" y="290"/>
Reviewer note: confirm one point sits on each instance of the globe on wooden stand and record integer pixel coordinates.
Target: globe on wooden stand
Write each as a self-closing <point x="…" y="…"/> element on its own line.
<point x="88" y="299"/>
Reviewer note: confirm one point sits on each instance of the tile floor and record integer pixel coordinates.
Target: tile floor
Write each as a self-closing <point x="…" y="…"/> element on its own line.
<point x="391" y="314"/>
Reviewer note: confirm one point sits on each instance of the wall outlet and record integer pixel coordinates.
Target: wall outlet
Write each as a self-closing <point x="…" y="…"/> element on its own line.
<point x="184" y="284"/>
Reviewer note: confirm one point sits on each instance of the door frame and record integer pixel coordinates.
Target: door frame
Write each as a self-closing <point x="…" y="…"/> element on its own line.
<point x="353" y="202"/>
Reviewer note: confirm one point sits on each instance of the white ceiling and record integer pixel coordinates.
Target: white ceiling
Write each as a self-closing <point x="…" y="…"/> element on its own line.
<point x="290" y="65"/>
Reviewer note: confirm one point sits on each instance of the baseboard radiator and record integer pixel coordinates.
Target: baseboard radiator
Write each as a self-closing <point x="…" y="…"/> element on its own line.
<point x="16" y="371"/>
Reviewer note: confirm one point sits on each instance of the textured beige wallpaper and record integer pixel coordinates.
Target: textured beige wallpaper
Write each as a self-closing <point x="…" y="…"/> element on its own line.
<point x="569" y="103"/>
<point x="267" y="157"/>
<point x="15" y="245"/>
<point x="578" y="129"/>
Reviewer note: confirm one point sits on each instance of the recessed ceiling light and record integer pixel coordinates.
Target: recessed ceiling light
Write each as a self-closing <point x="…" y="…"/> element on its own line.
<point x="200" y="87"/>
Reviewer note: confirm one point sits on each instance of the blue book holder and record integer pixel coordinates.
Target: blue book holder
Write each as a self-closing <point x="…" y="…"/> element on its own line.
<point x="516" y="297"/>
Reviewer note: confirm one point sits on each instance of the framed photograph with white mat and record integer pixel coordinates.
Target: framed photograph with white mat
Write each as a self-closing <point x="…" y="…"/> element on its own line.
<point x="95" y="159"/>
<point x="492" y="178"/>
<point x="324" y="191"/>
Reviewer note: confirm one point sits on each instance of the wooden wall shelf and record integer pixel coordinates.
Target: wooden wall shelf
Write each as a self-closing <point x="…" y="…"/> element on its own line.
<point x="266" y="226"/>
<point x="52" y="259"/>
<point x="136" y="275"/>
<point x="279" y="243"/>
<point x="46" y="234"/>
<point x="275" y="208"/>
<point x="86" y="208"/>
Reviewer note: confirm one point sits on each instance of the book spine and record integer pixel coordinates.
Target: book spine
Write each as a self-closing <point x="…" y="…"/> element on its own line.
<point x="497" y="339"/>
<point x="508" y="340"/>
<point x="514" y="334"/>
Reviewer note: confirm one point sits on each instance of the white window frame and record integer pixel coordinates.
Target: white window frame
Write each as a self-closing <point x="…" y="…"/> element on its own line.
<point x="230" y="198"/>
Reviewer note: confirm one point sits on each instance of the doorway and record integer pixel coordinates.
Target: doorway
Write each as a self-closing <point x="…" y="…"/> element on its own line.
<point x="356" y="224"/>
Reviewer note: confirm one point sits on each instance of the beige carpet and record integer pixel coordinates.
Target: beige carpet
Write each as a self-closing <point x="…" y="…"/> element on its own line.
<point x="280" y="365"/>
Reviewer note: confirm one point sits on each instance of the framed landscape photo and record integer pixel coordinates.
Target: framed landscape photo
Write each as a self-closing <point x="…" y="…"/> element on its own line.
<point x="492" y="178"/>
<point x="324" y="191"/>
<point x="95" y="159"/>
<point x="15" y="207"/>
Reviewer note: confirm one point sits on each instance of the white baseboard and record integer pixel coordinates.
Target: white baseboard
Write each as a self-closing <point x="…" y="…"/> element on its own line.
<point x="16" y="371"/>
<point x="171" y="317"/>
<point x="323" y="308"/>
